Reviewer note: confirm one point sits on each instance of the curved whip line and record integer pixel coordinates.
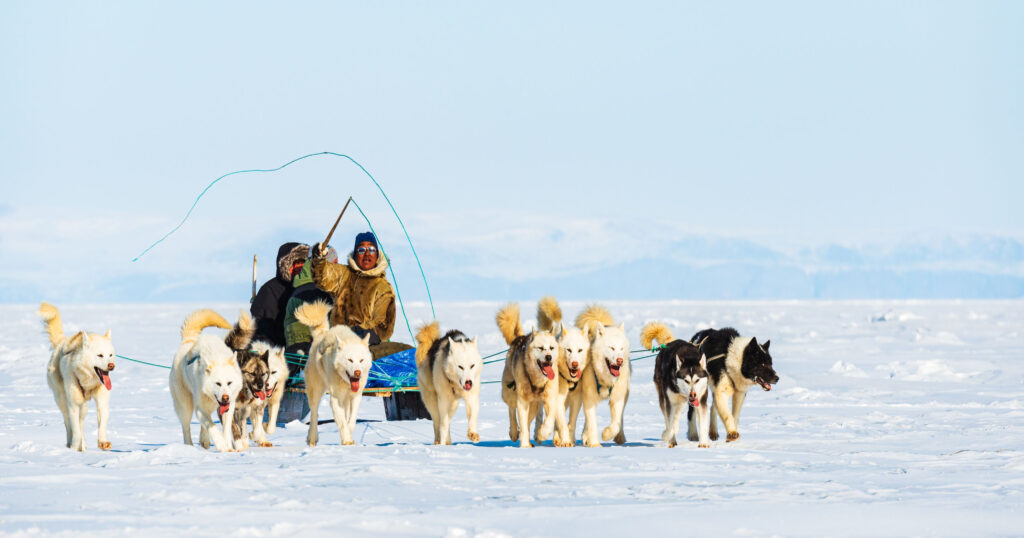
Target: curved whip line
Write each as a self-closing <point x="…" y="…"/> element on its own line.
<point x="331" y="153"/>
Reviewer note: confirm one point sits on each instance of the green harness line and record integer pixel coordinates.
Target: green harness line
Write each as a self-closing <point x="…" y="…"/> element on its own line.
<point x="293" y="358"/>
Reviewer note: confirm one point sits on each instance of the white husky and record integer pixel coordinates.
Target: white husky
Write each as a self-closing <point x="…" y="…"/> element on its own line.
<point x="606" y="377"/>
<point x="573" y="351"/>
<point x="79" y="371"/>
<point x="339" y="361"/>
<point x="448" y="369"/>
<point x="205" y="379"/>
<point x="275" y="391"/>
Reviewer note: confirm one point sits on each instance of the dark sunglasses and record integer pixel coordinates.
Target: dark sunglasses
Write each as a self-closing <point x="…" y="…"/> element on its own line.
<point x="366" y="250"/>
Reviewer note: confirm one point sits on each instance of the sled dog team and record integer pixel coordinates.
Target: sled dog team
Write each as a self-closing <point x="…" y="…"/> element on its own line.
<point x="550" y="371"/>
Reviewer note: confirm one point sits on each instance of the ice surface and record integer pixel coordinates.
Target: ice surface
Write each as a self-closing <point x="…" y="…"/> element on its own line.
<point x="890" y="418"/>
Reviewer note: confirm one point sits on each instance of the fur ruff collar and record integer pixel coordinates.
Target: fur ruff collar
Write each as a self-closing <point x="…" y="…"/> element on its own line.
<point x="374" y="272"/>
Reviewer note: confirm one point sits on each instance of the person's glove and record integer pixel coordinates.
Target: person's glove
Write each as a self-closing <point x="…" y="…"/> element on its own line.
<point x="319" y="251"/>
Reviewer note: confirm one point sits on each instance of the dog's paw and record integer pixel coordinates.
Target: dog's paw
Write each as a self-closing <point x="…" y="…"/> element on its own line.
<point x="346" y="443"/>
<point x="607" y="434"/>
<point x="513" y="435"/>
<point x="591" y="442"/>
<point x="713" y="436"/>
<point x="265" y="444"/>
<point x="620" y="439"/>
<point x="732" y="436"/>
<point x="473" y="437"/>
<point x="692" y="437"/>
<point x="105" y="445"/>
<point x="703" y="445"/>
<point x="672" y="442"/>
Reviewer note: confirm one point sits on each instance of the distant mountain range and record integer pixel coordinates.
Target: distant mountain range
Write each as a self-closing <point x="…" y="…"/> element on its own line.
<point x="687" y="267"/>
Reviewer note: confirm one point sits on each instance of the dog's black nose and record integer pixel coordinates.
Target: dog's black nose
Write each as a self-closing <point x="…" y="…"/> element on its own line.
<point x="547" y="357"/>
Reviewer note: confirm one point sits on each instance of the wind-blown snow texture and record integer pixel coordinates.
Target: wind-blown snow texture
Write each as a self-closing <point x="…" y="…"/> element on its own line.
<point x="891" y="418"/>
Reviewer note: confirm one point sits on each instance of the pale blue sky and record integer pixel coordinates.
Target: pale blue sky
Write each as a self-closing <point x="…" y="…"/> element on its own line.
<point x="795" y="123"/>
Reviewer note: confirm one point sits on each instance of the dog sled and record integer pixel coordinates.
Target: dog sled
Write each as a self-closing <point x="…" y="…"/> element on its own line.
<point x="392" y="378"/>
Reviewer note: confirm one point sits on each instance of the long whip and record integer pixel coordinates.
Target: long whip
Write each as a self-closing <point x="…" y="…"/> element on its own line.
<point x="335" y="227"/>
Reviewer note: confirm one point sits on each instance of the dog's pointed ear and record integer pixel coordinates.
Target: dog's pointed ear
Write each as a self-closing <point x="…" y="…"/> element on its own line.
<point x="337" y="340"/>
<point x="622" y="326"/>
<point x="558" y="330"/>
<point x="450" y="342"/>
<point x="703" y="361"/>
<point x="366" y="339"/>
<point x="474" y="339"/>
<point x="107" y="336"/>
<point x="766" y="344"/>
<point x="753" y="342"/>
<point x="265" y="357"/>
<point x="85" y="339"/>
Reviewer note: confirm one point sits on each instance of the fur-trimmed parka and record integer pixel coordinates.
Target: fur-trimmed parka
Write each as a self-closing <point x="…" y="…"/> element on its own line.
<point x="362" y="299"/>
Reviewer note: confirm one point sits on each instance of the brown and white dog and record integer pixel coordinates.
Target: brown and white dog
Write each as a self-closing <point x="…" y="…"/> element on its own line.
<point x="573" y="357"/>
<point x="529" y="378"/>
<point x="79" y="371"/>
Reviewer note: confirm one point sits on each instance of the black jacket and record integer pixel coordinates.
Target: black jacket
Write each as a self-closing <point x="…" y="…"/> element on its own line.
<point x="267" y="308"/>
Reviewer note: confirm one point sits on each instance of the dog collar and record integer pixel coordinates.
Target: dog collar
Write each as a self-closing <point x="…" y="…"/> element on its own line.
<point x="567" y="380"/>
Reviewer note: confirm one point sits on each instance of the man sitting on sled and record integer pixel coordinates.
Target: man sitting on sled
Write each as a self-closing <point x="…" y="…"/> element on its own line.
<point x="363" y="297"/>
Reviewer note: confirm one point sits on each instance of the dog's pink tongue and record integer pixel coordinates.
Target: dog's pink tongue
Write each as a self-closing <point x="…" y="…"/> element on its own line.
<point x="224" y="408"/>
<point x="261" y="395"/>
<point x="468" y="385"/>
<point x="105" y="378"/>
<point x="355" y="385"/>
<point x="548" y="371"/>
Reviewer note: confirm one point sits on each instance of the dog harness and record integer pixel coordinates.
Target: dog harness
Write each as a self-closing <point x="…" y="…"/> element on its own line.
<point x="601" y="388"/>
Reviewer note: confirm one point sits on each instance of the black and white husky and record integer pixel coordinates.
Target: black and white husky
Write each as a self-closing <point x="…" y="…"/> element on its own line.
<point x="681" y="379"/>
<point x="735" y="363"/>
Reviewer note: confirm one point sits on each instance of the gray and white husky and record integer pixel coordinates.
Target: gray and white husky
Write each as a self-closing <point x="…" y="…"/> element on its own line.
<point x="681" y="379"/>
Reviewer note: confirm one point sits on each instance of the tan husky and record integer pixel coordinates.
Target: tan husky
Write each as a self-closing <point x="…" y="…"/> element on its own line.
<point x="79" y="371"/>
<point x="605" y="378"/>
<point x="339" y="362"/>
<point x="448" y="370"/>
<point x="573" y="357"/>
<point x="529" y="377"/>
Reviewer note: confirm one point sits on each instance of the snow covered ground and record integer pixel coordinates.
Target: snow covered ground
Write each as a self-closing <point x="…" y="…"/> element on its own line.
<point x="890" y="418"/>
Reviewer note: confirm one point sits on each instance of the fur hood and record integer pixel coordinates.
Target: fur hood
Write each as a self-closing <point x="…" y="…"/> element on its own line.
<point x="285" y="261"/>
<point x="374" y="272"/>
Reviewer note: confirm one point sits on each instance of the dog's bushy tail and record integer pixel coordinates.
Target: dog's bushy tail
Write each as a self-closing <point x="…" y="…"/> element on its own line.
<point x="593" y="316"/>
<point x="52" y="323"/>
<point x="548" y="314"/>
<point x="199" y="320"/>
<point x="655" y="332"/>
<point x="425" y="337"/>
<point x="508" y="322"/>
<point x="314" y="315"/>
<point x="242" y="332"/>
